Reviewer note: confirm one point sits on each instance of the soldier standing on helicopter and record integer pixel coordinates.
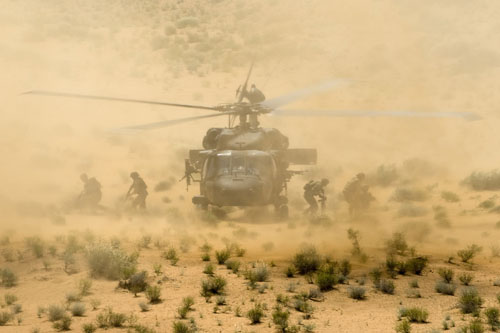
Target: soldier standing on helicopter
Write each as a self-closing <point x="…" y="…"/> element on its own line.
<point x="315" y="189"/>
<point x="357" y="195"/>
<point x="254" y="96"/>
<point x="139" y="188"/>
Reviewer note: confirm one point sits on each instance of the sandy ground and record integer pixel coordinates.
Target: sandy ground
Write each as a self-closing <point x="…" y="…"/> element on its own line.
<point x="397" y="55"/>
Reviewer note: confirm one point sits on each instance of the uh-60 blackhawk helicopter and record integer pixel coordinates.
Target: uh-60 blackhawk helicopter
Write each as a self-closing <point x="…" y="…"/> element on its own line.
<point x="245" y="164"/>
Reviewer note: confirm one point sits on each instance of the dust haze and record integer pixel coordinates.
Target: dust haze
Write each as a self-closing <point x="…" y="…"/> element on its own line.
<point x="424" y="56"/>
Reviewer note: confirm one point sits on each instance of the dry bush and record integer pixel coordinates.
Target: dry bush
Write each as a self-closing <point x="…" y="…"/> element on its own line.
<point x="445" y="288"/>
<point x="466" y="278"/>
<point x="358" y="293"/>
<point x="406" y="194"/>
<point x="386" y="286"/>
<point x="441" y="217"/>
<point x="63" y="324"/>
<point x="136" y="283"/>
<point x="384" y="176"/>
<point x="307" y="260"/>
<point x="107" y="319"/>
<point x="256" y="314"/>
<point x="55" y="312"/>
<point x="222" y="256"/>
<point x="108" y="262"/>
<point x="449" y="196"/>
<point x="259" y="272"/>
<point x="89" y="328"/>
<point x="10" y="298"/>
<point x="483" y="181"/>
<point x="416" y="265"/>
<point x="414" y="315"/>
<point x="397" y="245"/>
<point x="469" y="252"/>
<point x="492" y="317"/>
<point x="403" y="326"/>
<point x="280" y="318"/>
<point x="37" y="246"/>
<point x="446" y="274"/>
<point x="410" y="210"/>
<point x="233" y="265"/>
<point x="8" y="278"/>
<point x="78" y="309"/>
<point x="213" y="286"/>
<point x="470" y="301"/>
<point x="84" y="286"/>
<point x="5" y="317"/>
<point x="171" y="254"/>
<point x="153" y="294"/>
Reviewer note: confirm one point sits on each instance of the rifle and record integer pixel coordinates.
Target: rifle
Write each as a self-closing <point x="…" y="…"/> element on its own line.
<point x="189" y="169"/>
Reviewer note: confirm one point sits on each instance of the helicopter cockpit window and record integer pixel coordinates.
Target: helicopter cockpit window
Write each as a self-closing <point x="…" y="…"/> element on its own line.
<point x="238" y="165"/>
<point x="259" y="165"/>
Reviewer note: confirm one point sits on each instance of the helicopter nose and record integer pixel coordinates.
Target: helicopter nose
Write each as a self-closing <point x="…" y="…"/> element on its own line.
<point x="238" y="191"/>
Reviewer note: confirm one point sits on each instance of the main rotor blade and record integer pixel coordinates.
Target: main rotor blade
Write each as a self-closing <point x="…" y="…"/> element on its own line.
<point x="167" y="123"/>
<point x="302" y="93"/>
<point x="361" y="113"/>
<point x="115" y="99"/>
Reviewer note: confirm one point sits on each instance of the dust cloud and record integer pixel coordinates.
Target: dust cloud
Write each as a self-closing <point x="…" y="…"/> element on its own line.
<point x="423" y="56"/>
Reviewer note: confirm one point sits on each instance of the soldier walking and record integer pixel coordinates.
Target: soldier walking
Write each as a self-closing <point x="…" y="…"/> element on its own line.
<point x="139" y="189"/>
<point x="357" y="195"/>
<point x="91" y="194"/>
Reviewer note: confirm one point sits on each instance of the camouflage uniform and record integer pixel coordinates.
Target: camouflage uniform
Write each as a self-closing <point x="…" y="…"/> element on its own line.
<point x="357" y="194"/>
<point x="91" y="194"/>
<point x="139" y="188"/>
<point x="314" y="189"/>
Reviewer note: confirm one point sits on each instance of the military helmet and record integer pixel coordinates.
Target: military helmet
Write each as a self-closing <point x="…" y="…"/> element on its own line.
<point x="134" y="175"/>
<point x="325" y="181"/>
<point x="360" y="176"/>
<point x="84" y="177"/>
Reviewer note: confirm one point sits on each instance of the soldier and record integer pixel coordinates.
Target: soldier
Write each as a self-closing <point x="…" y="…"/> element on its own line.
<point x="315" y="189"/>
<point x="254" y="95"/>
<point x="91" y="194"/>
<point x="139" y="188"/>
<point x="357" y="195"/>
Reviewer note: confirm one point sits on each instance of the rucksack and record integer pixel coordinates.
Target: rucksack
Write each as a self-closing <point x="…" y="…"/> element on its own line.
<point x="309" y="185"/>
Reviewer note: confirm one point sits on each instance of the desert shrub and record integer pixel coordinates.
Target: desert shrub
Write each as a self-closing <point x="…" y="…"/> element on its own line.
<point x="187" y="22"/>
<point x="411" y="210"/>
<point x="469" y="252"/>
<point x="326" y="280"/>
<point x="353" y="236"/>
<point x="450" y="196"/>
<point x="8" y="278"/>
<point x="222" y="256"/>
<point x="466" y="278"/>
<point x="258" y="273"/>
<point x="445" y="288"/>
<point x="290" y="271"/>
<point x="441" y="216"/>
<point x="386" y="286"/>
<point x="136" y="283"/>
<point x="73" y="297"/>
<point x="78" y="309"/>
<point x="10" y="298"/>
<point x="187" y="303"/>
<point x="498" y="298"/>
<point x="145" y="241"/>
<point x="397" y="244"/>
<point x="446" y="274"/>
<point x="213" y="286"/>
<point x="63" y="324"/>
<point x="280" y="318"/>
<point x="95" y="303"/>
<point x="255" y="314"/>
<point x="171" y="254"/>
<point x="307" y="260"/>
<point x="108" y="262"/>
<point x="153" y="294"/>
<point x="476" y="326"/>
<point x="181" y="327"/>
<point x="345" y="268"/>
<point x="487" y="204"/>
<point x="403" y="326"/>
<point x="492" y="317"/>
<point x="107" y="318"/>
<point x="470" y="301"/>
<point x="84" y="286"/>
<point x="5" y="317"/>
<point x="391" y="265"/>
<point x="376" y="276"/>
<point x="55" y="312"/>
<point x="205" y="257"/>
<point x="358" y="293"/>
<point x="89" y="328"/>
<point x="483" y="181"/>
<point x="416" y="265"/>
<point x="406" y="194"/>
<point x="414" y="315"/>
<point x="384" y="176"/>
<point x="233" y="265"/>
<point x="413" y="283"/>
<point x="36" y="245"/>
<point x="144" y="307"/>
<point x="209" y="269"/>
<point x="496" y="283"/>
<point x="301" y="304"/>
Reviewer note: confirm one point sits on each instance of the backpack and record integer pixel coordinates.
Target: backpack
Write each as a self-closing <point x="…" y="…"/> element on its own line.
<point x="309" y="185"/>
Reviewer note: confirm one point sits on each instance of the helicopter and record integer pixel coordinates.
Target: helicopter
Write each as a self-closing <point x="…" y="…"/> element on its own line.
<point x="244" y="164"/>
